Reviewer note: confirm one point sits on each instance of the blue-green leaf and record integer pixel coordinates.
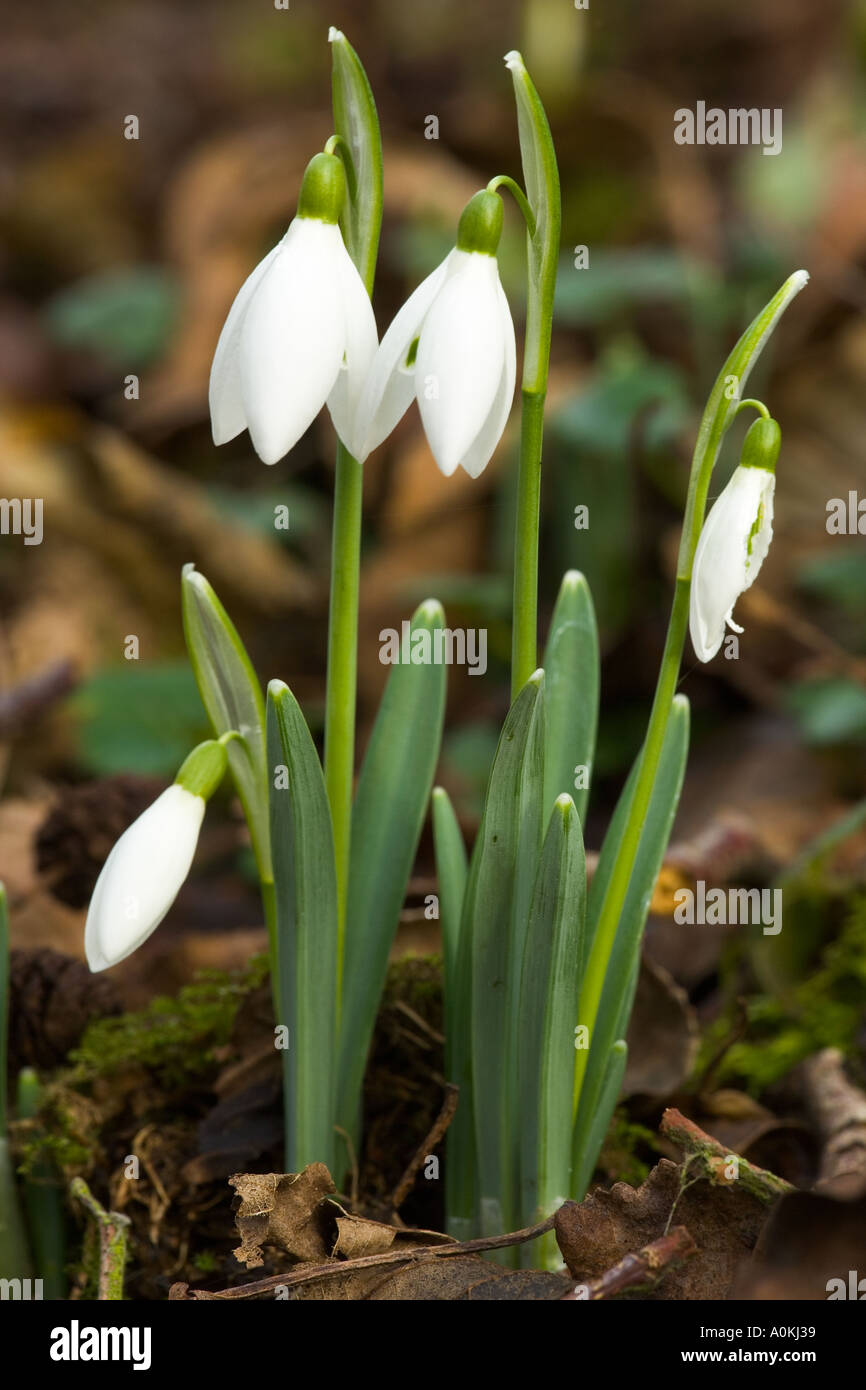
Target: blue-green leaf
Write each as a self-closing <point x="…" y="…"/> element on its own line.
<point x="571" y="669"/>
<point x="452" y="872"/>
<point x="232" y="696"/>
<point x="541" y="180"/>
<point x="608" y="1095"/>
<point x="306" y="916"/>
<point x="619" y="979"/>
<point x="552" y="963"/>
<point x="390" y="804"/>
<point x="356" y="120"/>
<point x="496" y="914"/>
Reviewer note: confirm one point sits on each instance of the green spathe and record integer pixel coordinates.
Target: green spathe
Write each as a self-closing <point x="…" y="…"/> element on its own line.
<point x="323" y="189"/>
<point x="204" y="768"/>
<point x="761" y="445"/>
<point x="480" y="225"/>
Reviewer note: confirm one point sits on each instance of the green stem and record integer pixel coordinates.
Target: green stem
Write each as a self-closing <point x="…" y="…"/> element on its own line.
<point x="614" y="899"/>
<point x="524" y="639"/>
<point x="724" y="401"/>
<point x="342" y="671"/>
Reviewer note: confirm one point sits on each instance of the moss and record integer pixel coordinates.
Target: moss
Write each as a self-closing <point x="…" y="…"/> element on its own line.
<point x="620" y="1158"/>
<point x="159" y="1050"/>
<point x="173" y="1038"/>
<point x="823" y="1010"/>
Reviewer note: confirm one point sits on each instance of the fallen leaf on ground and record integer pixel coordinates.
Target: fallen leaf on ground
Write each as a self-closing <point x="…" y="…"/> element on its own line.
<point x="281" y="1209"/>
<point x="724" y="1222"/>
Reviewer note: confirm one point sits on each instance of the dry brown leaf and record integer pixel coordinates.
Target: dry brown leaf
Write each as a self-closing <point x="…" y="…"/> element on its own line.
<point x="281" y="1209"/>
<point x="808" y="1241"/>
<point x="662" y="1035"/>
<point x="725" y="1223"/>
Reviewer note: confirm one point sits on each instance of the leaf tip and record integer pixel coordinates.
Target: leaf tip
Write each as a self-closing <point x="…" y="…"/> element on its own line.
<point x="335" y="35"/>
<point x="430" y="611"/>
<point x="514" y="60"/>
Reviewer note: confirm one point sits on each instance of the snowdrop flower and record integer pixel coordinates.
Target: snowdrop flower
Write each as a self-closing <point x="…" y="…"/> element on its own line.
<point x="300" y="333"/>
<point x="734" y="541"/>
<point x="451" y="346"/>
<point x="145" y="870"/>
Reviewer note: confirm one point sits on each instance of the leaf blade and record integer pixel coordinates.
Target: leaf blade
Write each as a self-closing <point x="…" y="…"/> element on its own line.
<point x="501" y="879"/>
<point x="305" y="886"/>
<point x="572" y="684"/>
<point x="357" y="122"/>
<point x="620" y="971"/>
<point x="390" y="804"/>
<point x="552" y="961"/>
<point x="232" y="696"/>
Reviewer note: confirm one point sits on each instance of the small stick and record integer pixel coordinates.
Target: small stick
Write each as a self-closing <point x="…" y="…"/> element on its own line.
<point x="113" y="1231"/>
<point x="437" y="1133"/>
<point x="389" y="1257"/>
<point x="839" y="1110"/>
<point x="711" y="1159"/>
<point x="645" y="1268"/>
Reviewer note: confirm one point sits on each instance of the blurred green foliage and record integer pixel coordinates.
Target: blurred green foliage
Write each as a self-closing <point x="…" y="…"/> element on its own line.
<point x="124" y="316"/>
<point x="139" y="719"/>
<point x="830" y="709"/>
<point x="825" y="1009"/>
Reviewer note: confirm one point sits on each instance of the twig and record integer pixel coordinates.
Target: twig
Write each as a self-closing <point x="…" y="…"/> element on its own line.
<point x="839" y="1110"/>
<point x="113" y="1229"/>
<point x="645" y="1268"/>
<point x="28" y="701"/>
<point x="712" y="1160"/>
<point x="389" y="1257"/>
<point x="437" y="1133"/>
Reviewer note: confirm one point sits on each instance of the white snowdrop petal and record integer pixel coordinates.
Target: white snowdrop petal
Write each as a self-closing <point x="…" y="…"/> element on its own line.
<point x="224" y="392"/>
<point x="362" y="341"/>
<point x="480" y="452"/>
<point x="142" y="877"/>
<point x="390" y="388"/>
<point x="460" y="361"/>
<point x="732" y="547"/>
<point x="292" y="338"/>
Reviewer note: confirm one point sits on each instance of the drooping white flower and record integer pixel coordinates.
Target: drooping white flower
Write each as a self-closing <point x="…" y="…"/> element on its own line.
<point x="734" y="541"/>
<point x="301" y="331"/>
<point x="452" y="347"/>
<point x="146" y="869"/>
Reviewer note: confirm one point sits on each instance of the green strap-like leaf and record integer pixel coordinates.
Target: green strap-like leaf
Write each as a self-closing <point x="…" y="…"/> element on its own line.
<point x="390" y="804"/>
<point x="231" y="694"/>
<point x="619" y="979"/>
<point x="357" y="122"/>
<point x="452" y="872"/>
<point x="571" y="670"/>
<point x="608" y="1095"/>
<point x="306" y="913"/>
<point x="552" y="959"/>
<point x="541" y="180"/>
<point x="496" y="913"/>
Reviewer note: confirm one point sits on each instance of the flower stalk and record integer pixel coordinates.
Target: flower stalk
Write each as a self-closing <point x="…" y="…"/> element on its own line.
<point x="541" y="177"/>
<point x="357" y="142"/>
<point x="718" y="415"/>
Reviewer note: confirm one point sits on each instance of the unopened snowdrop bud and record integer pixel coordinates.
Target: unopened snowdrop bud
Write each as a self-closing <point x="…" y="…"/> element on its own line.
<point x="300" y="333"/>
<point x="452" y="347"/>
<point x="145" y="870"/>
<point x="734" y="541"/>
